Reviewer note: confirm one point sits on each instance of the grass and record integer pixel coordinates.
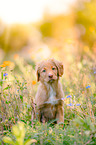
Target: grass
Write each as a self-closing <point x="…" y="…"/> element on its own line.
<point x="17" y="92"/>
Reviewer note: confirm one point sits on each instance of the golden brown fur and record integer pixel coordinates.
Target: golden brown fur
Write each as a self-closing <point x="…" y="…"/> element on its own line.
<point x="49" y="97"/>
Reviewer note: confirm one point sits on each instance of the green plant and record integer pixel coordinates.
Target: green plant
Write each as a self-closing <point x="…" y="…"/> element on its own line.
<point x="18" y="132"/>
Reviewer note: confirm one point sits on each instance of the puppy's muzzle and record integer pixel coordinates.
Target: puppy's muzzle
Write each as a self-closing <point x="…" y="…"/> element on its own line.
<point x="50" y="75"/>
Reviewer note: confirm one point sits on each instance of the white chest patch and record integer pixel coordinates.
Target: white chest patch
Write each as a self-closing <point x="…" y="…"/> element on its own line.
<point x="52" y="96"/>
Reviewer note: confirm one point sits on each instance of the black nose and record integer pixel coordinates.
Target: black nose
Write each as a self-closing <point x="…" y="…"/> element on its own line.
<point x="50" y="76"/>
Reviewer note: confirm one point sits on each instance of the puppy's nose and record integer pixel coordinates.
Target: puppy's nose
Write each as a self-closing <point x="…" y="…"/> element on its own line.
<point x="50" y="76"/>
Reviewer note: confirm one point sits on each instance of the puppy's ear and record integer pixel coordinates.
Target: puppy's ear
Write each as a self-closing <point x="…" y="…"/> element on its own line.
<point x="38" y="72"/>
<point x="59" y="66"/>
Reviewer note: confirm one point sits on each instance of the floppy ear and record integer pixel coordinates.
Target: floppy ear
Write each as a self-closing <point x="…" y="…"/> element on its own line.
<point x="59" y="66"/>
<point x="38" y="72"/>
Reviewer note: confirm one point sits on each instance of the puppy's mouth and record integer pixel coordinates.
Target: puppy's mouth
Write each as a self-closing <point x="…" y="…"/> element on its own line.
<point x="51" y="80"/>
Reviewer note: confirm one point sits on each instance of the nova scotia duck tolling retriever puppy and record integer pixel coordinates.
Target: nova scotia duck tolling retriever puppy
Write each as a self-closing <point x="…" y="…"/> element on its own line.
<point x="50" y="97"/>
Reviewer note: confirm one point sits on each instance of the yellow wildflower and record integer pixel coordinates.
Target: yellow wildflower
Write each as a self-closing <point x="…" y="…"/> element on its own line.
<point x="33" y="82"/>
<point x="2" y="65"/>
<point x="7" y="63"/>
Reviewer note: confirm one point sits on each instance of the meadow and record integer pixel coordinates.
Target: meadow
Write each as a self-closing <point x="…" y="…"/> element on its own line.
<point x="17" y="92"/>
<point x="70" y="38"/>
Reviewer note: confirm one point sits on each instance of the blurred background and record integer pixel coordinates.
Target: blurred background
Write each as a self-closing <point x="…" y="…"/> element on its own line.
<point x="36" y="30"/>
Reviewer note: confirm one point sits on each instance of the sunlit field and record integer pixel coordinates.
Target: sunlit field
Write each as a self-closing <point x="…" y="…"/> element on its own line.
<point x="69" y="38"/>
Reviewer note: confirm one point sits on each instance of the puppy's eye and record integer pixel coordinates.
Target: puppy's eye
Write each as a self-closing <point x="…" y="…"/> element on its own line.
<point x="44" y="70"/>
<point x="53" y="68"/>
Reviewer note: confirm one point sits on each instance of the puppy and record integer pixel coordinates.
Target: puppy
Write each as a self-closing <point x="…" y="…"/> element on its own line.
<point x="49" y="97"/>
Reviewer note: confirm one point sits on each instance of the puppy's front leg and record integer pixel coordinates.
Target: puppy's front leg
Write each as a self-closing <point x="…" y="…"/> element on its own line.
<point x="60" y="114"/>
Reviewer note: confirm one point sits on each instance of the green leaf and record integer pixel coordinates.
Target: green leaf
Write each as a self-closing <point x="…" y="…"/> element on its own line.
<point x="2" y="75"/>
<point x="94" y="95"/>
<point x="16" y="131"/>
<point x="29" y="141"/>
<point x="21" y="97"/>
<point x="1" y="82"/>
<point x="6" y="102"/>
<point x="8" y="140"/>
<point x="6" y="88"/>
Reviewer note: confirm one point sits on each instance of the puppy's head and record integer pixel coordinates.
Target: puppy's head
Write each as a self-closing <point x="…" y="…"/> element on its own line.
<point x="49" y="71"/>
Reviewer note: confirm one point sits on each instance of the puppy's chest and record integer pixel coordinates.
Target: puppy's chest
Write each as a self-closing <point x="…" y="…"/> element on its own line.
<point x="52" y="95"/>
